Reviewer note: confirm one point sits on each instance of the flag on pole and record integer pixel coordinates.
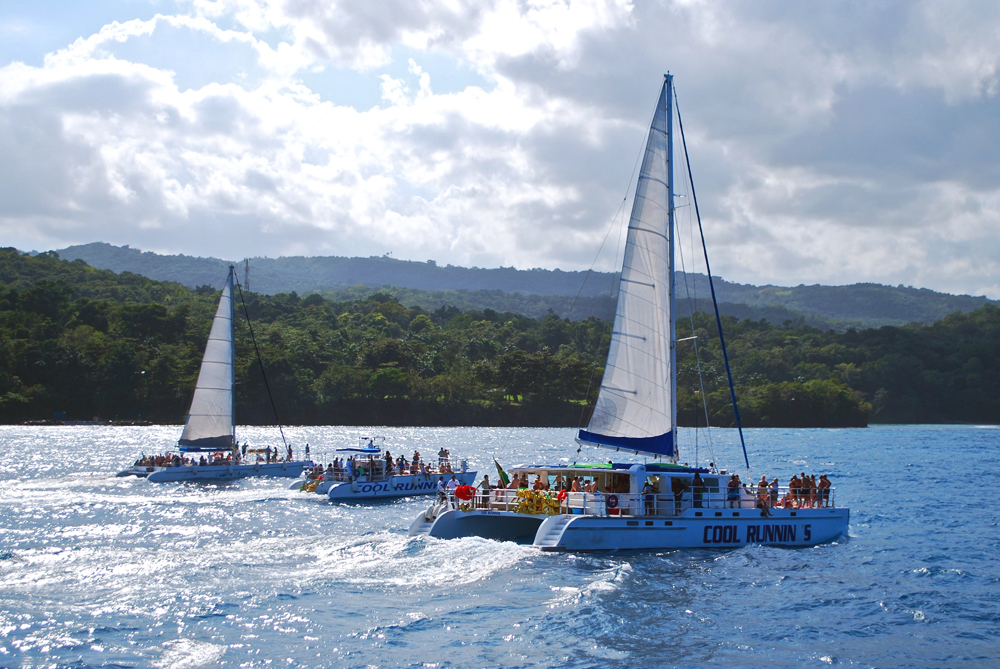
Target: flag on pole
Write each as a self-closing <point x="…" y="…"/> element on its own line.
<point x="502" y="474"/>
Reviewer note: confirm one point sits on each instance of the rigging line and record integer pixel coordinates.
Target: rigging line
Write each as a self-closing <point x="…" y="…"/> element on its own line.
<point x="711" y="285"/>
<point x="260" y="361"/>
<point x="691" y="286"/>
<point x="697" y="358"/>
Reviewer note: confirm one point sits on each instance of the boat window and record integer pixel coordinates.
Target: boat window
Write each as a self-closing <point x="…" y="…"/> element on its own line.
<point x="712" y="484"/>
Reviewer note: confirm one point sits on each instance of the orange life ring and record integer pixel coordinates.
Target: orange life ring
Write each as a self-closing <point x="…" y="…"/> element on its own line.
<point x="562" y="495"/>
<point x="612" y="501"/>
<point x="465" y="492"/>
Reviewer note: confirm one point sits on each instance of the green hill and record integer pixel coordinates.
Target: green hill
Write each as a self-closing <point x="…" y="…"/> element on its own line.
<point x="535" y="292"/>
<point x="81" y="343"/>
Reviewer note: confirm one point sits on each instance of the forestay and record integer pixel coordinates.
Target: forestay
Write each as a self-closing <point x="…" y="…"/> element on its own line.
<point x="635" y="405"/>
<point x="209" y="423"/>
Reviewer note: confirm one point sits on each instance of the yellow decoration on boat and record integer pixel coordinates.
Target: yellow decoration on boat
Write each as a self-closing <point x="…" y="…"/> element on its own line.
<point x="534" y="502"/>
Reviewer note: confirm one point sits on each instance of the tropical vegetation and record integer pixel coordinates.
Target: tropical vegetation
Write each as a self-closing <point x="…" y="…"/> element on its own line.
<point x="82" y="343"/>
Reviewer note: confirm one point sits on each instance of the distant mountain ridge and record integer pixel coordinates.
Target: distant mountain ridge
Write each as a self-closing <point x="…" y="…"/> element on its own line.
<point x="533" y="292"/>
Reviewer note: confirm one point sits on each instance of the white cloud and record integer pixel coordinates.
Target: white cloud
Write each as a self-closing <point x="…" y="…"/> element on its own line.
<point x="831" y="143"/>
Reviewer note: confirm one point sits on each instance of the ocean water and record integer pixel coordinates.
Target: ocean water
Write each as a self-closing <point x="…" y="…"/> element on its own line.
<point x="103" y="571"/>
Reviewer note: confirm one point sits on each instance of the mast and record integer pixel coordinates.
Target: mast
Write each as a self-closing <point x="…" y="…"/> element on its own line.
<point x="232" y="351"/>
<point x="669" y="85"/>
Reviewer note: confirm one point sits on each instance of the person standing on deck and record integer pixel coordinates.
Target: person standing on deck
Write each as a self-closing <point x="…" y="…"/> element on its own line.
<point x="697" y="490"/>
<point x="484" y="486"/>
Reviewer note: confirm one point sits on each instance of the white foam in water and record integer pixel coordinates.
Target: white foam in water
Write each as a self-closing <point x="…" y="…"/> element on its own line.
<point x="390" y="559"/>
<point x="188" y="654"/>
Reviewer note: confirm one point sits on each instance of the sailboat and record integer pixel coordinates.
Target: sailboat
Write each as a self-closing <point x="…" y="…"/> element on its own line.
<point x="210" y="428"/>
<point x="657" y="503"/>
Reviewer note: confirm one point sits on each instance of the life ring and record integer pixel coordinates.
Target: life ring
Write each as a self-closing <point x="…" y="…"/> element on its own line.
<point x="562" y="495"/>
<point x="612" y="501"/>
<point x="465" y="492"/>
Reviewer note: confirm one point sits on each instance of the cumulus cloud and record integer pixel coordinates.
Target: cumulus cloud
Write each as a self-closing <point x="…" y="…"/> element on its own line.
<point x="831" y="143"/>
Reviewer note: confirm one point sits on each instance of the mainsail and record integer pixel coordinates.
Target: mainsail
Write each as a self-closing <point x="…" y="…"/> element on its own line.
<point x="209" y="423"/>
<point x="635" y="408"/>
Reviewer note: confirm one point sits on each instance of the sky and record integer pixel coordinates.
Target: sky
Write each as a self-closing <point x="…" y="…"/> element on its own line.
<point x="833" y="142"/>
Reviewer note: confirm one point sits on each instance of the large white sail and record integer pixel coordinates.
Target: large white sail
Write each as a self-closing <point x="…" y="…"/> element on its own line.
<point x="210" y="421"/>
<point x="636" y="403"/>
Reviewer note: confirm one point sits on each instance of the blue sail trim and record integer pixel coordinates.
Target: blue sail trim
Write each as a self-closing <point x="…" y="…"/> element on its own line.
<point x="662" y="444"/>
<point x="207" y="444"/>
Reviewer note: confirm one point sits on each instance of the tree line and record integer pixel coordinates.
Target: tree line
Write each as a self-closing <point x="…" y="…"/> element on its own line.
<point x="81" y="343"/>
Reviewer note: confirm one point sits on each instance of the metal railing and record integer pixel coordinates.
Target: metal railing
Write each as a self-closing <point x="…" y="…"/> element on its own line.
<point x="657" y="504"/>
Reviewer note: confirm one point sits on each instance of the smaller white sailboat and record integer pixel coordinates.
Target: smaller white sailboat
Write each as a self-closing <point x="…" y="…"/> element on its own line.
<point x="369" y="472"/>
<point x="207" y="449"/>
<point x="653" y="504"/>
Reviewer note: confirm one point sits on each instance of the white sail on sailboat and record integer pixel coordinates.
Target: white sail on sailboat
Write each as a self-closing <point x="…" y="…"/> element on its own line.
<point x="656" y="503"/>
<point x="211" y="426"/>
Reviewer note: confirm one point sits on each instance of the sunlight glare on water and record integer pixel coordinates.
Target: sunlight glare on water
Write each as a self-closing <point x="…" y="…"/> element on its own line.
<point x="99" y="571"/>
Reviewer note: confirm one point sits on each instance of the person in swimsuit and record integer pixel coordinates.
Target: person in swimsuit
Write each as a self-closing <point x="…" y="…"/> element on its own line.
<point x="824" y="489"/>
<point x="733" y="491"/>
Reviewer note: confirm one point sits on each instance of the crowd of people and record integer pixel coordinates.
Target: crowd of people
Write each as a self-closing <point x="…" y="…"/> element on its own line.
<point x="352" y="466"/>
<point x="236" y="456"/>
<point x="803" y="492"/>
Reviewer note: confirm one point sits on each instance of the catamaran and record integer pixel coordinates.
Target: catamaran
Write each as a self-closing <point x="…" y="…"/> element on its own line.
<point x="368" y="472"/>
<point x="655" y="504"/>
<point x="207" y="449"/>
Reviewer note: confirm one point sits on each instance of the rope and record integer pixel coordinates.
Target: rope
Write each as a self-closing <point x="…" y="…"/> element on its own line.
<point x="711" y="284"/>
<point x="260" y="361"/>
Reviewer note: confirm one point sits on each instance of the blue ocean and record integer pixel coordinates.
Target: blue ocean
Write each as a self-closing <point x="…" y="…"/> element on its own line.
<point x="98" y="571"/>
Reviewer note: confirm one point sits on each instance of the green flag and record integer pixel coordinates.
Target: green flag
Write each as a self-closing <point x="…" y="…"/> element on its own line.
<point x="502" y="474"/>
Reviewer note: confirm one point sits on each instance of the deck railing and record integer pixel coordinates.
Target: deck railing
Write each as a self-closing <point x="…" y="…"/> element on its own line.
<point x="657" y="504"/>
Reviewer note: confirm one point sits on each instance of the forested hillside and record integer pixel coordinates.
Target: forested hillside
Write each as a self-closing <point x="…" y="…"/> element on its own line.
<point x="535" y="292"/>
<point x="84" y="343"/>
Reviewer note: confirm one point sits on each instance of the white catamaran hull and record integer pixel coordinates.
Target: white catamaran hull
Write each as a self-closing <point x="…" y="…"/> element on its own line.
<point x="485" y="523"/>
<point x="218" y="472"/>
<point x="803" y="527"/>
<point x="393" y="486"/>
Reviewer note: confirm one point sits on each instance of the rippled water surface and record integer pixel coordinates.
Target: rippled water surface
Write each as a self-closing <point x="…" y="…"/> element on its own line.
<point x="104" y="571"/>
